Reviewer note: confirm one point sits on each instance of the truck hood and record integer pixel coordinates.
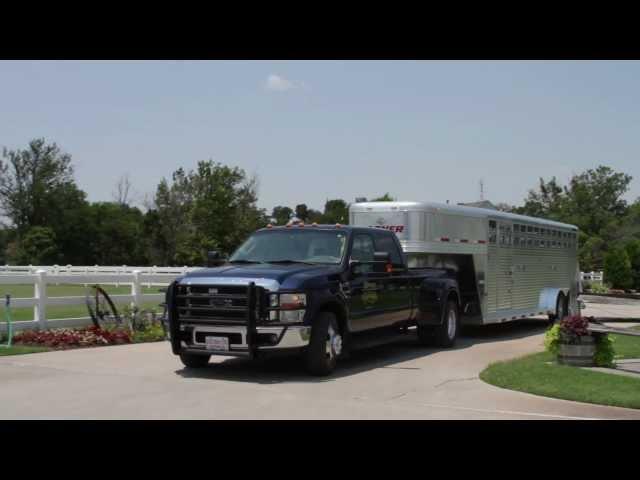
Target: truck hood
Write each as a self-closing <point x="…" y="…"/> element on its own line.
<point x="270" y="276"/>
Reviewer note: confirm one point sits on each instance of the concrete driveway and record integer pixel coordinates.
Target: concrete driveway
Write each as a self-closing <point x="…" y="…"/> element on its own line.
<point x="399" y="381"/>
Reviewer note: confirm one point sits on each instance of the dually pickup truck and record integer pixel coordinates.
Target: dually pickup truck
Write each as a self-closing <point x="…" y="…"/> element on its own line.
<point x="314" y="290"/>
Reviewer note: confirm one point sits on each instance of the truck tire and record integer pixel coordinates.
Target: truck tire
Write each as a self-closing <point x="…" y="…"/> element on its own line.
<point x="443" y="335"/>
<point x="191" y="360"/>
<point x="325" y="345"/>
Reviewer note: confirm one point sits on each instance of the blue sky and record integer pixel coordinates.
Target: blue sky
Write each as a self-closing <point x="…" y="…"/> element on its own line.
<point x="312" y="130"/>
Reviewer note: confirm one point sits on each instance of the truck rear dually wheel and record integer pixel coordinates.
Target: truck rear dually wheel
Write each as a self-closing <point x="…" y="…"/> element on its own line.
<point x="325" y="345"/>
<point x="445" y="334"/>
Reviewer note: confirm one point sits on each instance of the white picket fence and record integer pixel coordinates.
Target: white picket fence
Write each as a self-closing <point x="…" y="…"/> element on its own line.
<point x="92" y="269"/>
<point x="137" y="278"/>
<point x="592" y="277"/>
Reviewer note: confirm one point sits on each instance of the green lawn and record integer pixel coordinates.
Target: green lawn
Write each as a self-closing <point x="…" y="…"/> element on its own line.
<point x="626" y="346"/>
<point x="541" y="375"/>
<point x="19" y="350"/>
<point x="62" y="311"/>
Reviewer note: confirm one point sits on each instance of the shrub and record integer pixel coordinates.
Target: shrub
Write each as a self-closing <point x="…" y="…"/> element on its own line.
<point x="552" y="339"/>
<point x="599" y="288"/>
<point x="605" y="352"/>
<point x="617" y="268"/>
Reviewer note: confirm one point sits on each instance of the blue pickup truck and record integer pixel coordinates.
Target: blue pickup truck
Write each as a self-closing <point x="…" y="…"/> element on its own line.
<point x="313" y="290"/>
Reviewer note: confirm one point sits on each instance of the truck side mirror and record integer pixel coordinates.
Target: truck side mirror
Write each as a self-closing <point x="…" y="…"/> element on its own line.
<point x="355" y="267"/>
<point x="214" y="259"/>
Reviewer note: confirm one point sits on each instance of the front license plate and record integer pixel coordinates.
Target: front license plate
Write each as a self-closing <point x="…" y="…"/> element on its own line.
<point x="217" y="343"/>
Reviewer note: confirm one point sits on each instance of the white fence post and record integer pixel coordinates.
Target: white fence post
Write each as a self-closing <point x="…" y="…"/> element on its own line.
<point x="136" y="289"/>
<point x="40" y="314"/>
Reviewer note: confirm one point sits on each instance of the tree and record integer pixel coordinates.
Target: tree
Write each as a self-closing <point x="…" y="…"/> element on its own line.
<point x="384" y="198"/>
<point x="546" y="202"/>
<point x="336" y="211"/>
<point x="116" y="234"/>
<point x="632" y="247"/>
<point x="211" y="208"/>
<point x="122" y="193"/>
<point x="591" y="252"/>
<point x="281" y="214"/>
<point x="617" y="268"/>
<point x="302" y="212"/>
<point x="30" y="180"/>
<point x="38" y="247"/>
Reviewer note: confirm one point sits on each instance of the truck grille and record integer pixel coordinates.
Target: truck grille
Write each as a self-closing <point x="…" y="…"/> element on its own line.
<point x="220" y="304"/>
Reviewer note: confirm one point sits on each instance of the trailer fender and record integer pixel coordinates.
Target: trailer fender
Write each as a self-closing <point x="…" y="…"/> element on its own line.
<point x="549" y="297"/>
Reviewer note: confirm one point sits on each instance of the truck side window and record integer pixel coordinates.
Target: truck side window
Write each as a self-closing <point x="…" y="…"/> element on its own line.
<point x="385" y="243"/>
<point x="363" y="248"/>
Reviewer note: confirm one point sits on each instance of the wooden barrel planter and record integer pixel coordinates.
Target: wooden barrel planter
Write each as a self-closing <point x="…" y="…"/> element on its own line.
<point x="580" y="354"/>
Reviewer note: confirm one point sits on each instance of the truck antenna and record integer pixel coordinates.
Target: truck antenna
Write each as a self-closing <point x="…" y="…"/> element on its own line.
<point x="481" y="190"/>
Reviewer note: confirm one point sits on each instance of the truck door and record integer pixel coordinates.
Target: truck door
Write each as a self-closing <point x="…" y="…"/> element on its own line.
<point x="504" y="265"/>
<point x="396" y="295"/>
<point x="364" y="289"/>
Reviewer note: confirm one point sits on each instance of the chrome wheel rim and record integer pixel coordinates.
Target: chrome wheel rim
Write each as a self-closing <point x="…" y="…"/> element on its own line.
<point x="333" y="346"/>
<point x="451" y="324"/>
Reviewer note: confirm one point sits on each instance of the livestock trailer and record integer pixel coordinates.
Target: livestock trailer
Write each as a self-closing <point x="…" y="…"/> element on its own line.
<point x="508" y="266"/>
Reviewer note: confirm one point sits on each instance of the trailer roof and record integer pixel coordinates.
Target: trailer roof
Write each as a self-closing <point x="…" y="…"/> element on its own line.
<point x="477" y="212"/>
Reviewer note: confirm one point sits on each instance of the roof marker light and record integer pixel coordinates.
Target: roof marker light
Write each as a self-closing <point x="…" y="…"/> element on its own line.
<point x="301" y="224"/>
<point x="314" y="224"/>
<point x="269" y="225"/>
<point x="338" y="225"/>
<point x="444" y="239"/>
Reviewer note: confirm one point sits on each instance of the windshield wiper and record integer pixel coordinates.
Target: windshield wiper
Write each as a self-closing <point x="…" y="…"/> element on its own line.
<point x="291" y="261"/>
<point x="245" y="261"/>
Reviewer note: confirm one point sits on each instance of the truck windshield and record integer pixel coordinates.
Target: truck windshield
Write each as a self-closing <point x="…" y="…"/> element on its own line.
<point x="304" y="246"/>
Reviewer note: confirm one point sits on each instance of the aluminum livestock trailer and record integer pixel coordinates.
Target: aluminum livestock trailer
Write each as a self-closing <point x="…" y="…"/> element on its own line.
<point x="508" y="266"/>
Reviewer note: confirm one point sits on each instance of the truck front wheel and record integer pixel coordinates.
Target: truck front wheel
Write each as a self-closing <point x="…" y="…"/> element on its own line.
<point x="325" y="345"/>
<point x="191" y="360"/>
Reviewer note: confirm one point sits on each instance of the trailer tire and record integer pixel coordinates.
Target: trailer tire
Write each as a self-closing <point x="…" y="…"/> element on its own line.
<point x="325" y="345"/>
<point x="190" y="360"/>
<point x="562" y="309"/>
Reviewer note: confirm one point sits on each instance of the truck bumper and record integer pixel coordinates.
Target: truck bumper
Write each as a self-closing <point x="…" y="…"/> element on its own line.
<point x="269" y="339"/>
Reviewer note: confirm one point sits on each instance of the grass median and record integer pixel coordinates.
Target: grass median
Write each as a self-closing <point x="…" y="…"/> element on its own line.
<point x="540" y="374"/>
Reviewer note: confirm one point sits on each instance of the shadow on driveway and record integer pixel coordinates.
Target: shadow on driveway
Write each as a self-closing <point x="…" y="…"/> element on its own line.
<point x="288" y="369"/>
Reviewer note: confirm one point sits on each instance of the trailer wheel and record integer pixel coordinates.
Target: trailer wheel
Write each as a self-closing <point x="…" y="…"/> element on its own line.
<point x="443" y="335"/>
<point x="325" y="345"/>
<point x="191" y="360"/>
<point x="562" y="309"/>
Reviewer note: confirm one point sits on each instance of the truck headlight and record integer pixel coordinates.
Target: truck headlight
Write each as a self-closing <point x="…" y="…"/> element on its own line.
<point x="292" y="301"/>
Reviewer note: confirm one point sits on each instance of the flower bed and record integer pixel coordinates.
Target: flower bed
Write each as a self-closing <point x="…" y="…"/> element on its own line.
<point x="73" y="337"/>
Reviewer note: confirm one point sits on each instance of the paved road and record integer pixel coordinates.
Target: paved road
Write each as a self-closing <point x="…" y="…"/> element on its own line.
<point x="399" y="381"/>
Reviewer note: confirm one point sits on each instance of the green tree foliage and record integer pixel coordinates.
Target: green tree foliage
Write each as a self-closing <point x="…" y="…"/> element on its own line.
<point x="384" y="198"/>
<point x="336" y="211"/>
<point x="302" y="212"/>
<point x="38" y="247"/>
<point x="37" y="189"/>
<point x="211" y="208"/>
<point x="617" y="268"/>
<point x="632" y="247"/>
<point x="281" y="214"/>
<point x="117" y="235"/>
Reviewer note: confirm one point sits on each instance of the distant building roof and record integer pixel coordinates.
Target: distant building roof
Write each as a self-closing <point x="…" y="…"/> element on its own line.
<point x="480" y="204"/>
